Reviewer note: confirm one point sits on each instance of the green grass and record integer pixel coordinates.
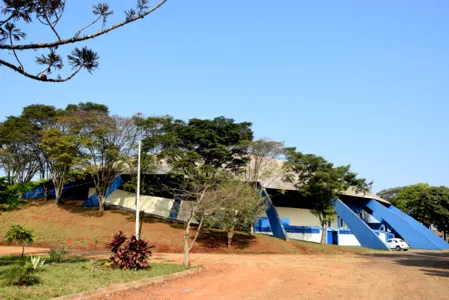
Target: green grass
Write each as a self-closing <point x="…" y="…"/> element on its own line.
<point x="74" y="276"/>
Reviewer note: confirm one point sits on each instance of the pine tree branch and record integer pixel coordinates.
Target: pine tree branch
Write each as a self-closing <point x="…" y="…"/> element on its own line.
<point x="85" y="27"/>
<point x="83" y="38"/>
<point x="11" y="66"/>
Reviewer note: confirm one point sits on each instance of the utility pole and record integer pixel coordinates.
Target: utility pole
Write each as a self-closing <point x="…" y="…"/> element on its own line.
<point x="138" y="195"/>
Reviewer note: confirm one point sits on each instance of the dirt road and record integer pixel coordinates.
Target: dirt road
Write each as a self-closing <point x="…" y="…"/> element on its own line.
<point x="411" y="275"/>
<point x="395" y="275"/>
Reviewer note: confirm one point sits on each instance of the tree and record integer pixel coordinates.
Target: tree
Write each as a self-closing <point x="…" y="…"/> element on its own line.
<point x="108" y="143"/>
<point x="263" y="165"/>
<point x="439" y="199"/>
<point x="390" y="194"/>
<point x="49" y="13"/>
<point x="427" y="204"/>
<point x="202" y="153"/>
<point x="321" y="182"/>
<point x="240" y="206"/>
<point x="20" y="235"/>
<point x="62" y="150"/>
<point x="21" y="154"/>
<point x="410" y="201"/>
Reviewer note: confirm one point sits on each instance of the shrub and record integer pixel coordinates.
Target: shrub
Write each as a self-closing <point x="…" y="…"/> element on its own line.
<point x="20" y="235"/>
<point x="133" y="255"/>
<point x="59" y="253"/>
<point x="25" y="273"/>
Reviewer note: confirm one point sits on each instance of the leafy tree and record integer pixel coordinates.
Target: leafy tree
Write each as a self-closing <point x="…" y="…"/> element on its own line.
<point x="411" y="202"/>
<point x="390" y="194"/>
<point x="263" y="165"/>
<point x="202" y="153"/>
<point x="19" y="235"/>
<point x="49" y="13"/>
<point x="439" y="199"/>
<point x="61" y="147"/>
<point x="108" y="143"/>
<point x="321" y="182"/>
<point x="21" y="154"/>
<point x="240" y="206"/>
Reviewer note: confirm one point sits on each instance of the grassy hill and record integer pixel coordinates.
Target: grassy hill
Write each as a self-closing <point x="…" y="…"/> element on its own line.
<point x="85" y="229"/>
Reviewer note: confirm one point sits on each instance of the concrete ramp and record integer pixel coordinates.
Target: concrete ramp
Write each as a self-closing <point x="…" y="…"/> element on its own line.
<point x="277" y="228"/>
<point x="364" y="234"/>
<point x="420" y="227"/>
<point x="415" y="238"/>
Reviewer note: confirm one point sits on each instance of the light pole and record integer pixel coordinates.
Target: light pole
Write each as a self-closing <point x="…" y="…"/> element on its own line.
<point x="138" y="194"/>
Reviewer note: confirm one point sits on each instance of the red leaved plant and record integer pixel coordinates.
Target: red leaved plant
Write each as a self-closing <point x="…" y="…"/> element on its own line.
<point x="133" y="255"/>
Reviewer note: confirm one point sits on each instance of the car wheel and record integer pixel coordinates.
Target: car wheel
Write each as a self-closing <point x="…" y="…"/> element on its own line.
<point x="398" y="248"/>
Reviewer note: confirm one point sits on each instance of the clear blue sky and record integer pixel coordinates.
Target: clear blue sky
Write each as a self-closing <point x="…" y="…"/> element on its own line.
<point x="364" y="83"/>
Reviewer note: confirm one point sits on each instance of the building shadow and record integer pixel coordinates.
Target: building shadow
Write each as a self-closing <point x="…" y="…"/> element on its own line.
<point x="430" y="262"/>
<point x="210" y="238"/>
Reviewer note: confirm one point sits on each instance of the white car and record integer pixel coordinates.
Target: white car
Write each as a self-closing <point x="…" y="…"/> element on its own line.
<point x="397" y="244"/>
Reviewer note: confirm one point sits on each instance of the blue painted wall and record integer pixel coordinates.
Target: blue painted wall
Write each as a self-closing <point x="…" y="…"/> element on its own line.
<point x="174" y="211"/>
<point x="275" y="222"/>
<point x="364" y="234"/>
<point x="93" y="200"/>
<point x="420" y="227"/>
<point x="411" y="235"/>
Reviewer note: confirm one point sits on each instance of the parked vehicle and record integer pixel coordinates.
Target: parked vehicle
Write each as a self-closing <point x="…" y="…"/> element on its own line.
<point x="398" y="244"/>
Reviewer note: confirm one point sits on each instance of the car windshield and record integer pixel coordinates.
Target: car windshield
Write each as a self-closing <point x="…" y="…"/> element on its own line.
<point x="402" y="241"/>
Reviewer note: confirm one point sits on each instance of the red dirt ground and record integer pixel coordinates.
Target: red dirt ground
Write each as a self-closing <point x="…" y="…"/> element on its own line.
<point x="85" y="229"/>
<point x="412" y="275"/>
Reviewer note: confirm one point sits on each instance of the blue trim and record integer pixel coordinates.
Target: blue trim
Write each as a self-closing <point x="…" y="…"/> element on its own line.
<point x="411" y="235"/>
<point x="175" y="207"/>
<point x="275" y="222"/>
<point x="93" y="200"/>
<point x="420" y="227"/>
<point x="364" y="234"/>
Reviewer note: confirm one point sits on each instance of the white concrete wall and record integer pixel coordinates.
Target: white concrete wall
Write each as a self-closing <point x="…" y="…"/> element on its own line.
<point x="298" y="216"/>
<point x="92" y="191"/>
<point x="347" y="240"/>
<point x="309" y="237"/>
<point x="152" y="205"/>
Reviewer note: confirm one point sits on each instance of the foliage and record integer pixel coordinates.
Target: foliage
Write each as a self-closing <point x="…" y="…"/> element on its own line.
<point x="59" y="253"/>
<point x="321" y="182"/>
<point x="25" y="273"/>
<point x="203" y="153"/>
<point x="37" y="263"/>
<point x="19" y="235"/>
<point x="73" y="277"/>
<point x="48" y="13"/>
<point x="263" y="166"/>
<point x="427" y="204"/>
<point x="240" y="206"/>
<point x="133" y="255"/>
<point x="109" y="144"/>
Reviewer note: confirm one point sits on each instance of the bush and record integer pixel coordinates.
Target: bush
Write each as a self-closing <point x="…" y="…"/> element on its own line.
<point x="25" y="273"/>
<point x="59" y="253"/>
<point x="20" y="235"/>
<point x="134" y="255"/>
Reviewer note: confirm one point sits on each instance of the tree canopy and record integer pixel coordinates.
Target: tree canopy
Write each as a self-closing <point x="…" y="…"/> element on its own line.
<point x="321" y="182"/>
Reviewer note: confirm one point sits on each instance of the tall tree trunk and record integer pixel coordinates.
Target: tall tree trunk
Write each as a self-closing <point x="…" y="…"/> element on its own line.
<point x="58" y="196"/>
<point x="101" y="202"/>
<point x="323" y="232"/>
<point x="231" y="233"/>
<point x="23" y="250"/>
<point x="186" y="244"/>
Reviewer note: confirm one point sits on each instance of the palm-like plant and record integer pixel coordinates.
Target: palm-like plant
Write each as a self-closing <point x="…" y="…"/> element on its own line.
<point x="12" y="32"/>
<point x="20" y="235"/>
<point x="84" y="58"/>
<point x="52" y="60"/>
